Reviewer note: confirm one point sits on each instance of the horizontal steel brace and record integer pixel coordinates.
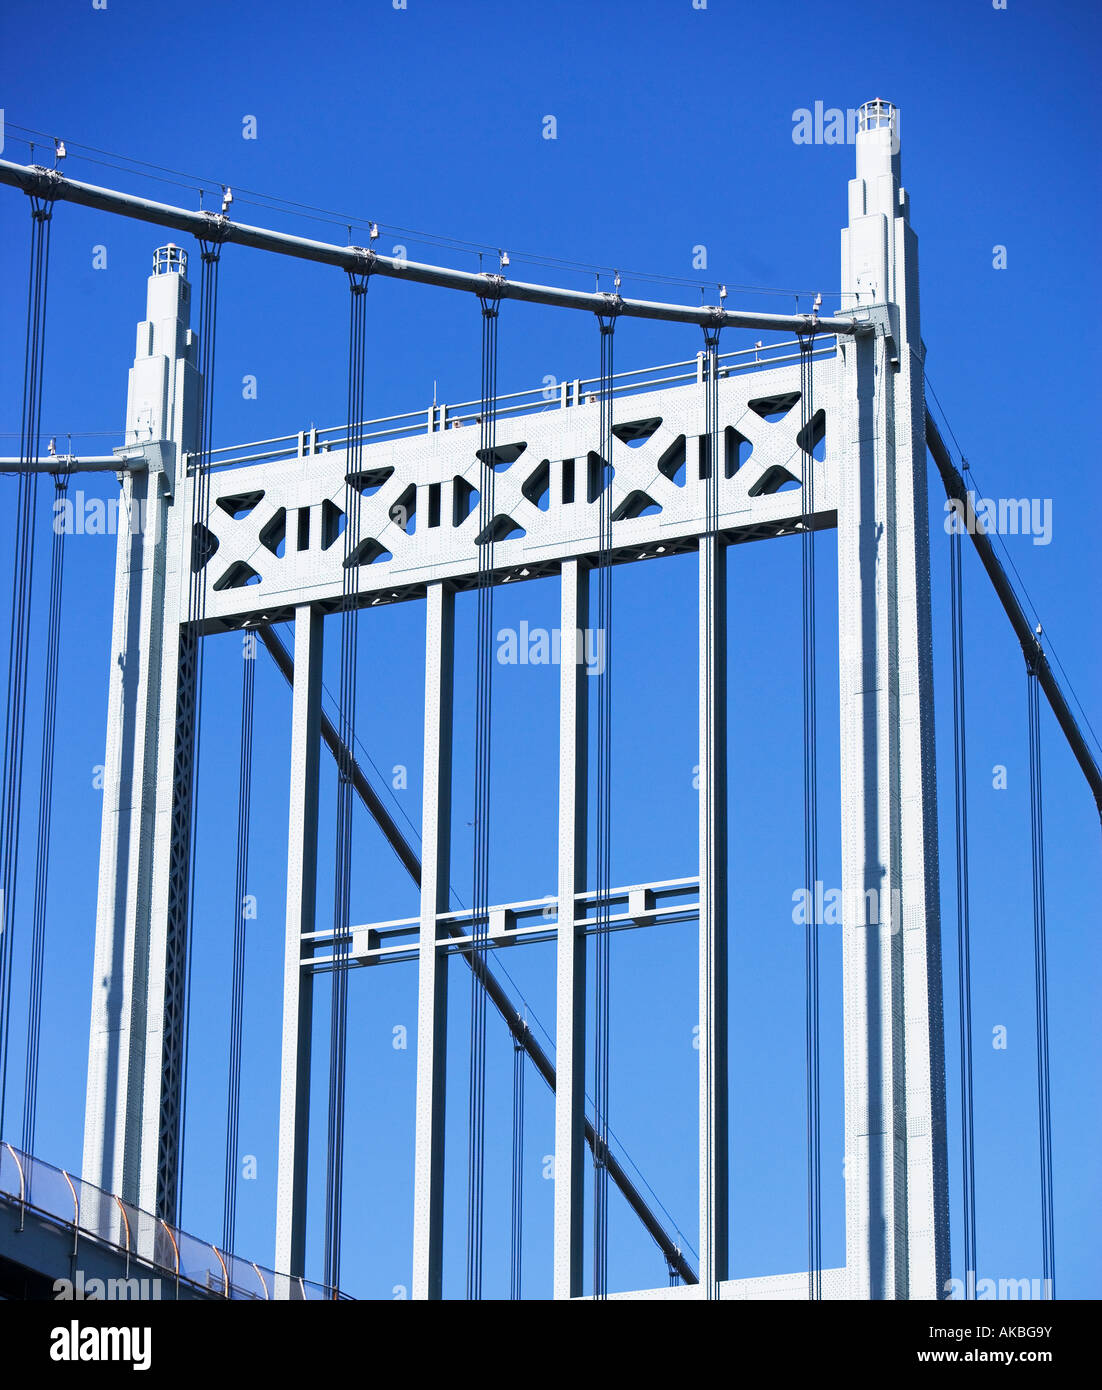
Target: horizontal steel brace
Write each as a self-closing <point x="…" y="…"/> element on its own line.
<point x="642" y="899"/>
<point x="376" y="942"/>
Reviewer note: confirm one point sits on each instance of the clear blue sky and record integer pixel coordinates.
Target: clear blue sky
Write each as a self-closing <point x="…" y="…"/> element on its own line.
<point x="674" y="131"/>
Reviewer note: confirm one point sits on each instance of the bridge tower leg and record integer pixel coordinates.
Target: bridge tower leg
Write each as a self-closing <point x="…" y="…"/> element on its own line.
<point x="127" y="1016"/>
<point x="897" y="1222"/>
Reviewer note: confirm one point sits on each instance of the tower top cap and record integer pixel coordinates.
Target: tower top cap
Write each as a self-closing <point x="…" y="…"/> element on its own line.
<point x="170" y="260"/>
<point x="876" y="115"/>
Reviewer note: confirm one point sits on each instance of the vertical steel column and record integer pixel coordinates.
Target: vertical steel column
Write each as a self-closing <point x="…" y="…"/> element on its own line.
<point x="713" y="914"/>
<point x="113" y="1108"/>
<point x="896" y="1171"/>
<point x="897" y="1208"/>
<point x="432" y="986"/>
<point x="920" y="919"/>
<point x="127" y="1043"/>
<point x="302" y="857"/>
<point x="570" y="1008"/>
<point x="874" y="1093"/>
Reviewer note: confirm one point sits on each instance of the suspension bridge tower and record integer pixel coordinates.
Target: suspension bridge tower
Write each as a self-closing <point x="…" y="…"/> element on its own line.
<point x="871" y="485"/>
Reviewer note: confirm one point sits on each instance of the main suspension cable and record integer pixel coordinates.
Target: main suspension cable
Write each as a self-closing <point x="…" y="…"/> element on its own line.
<point x="271" y="202"/>
<point x="15" y="718"/>
<point x="1040" y="961"/>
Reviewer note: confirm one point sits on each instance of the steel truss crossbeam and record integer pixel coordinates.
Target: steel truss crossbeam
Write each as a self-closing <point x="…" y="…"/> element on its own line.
<point x="273" y="523"/>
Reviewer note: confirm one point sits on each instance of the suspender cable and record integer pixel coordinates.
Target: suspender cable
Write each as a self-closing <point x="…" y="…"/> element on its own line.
<point x="190" y="698"/>
<point x="237" y="989"/>
<point x="346" y="712"/>
<point x="19" y="636"/>
<point x="964" y="951"/>
<point x="713" y="465"/>
<point x="516" y="1248"/>
<point x="601" y="482"/>
<point x="45" y="816"/>
<point x="1044" y="1107"/>
<point x="807" y="441"/>
<point x="484" y="665"/>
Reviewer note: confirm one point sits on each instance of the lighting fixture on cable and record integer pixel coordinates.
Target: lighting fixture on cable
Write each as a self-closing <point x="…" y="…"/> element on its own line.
<point x="722" y="293"/>
<point x="227" y="198"/>
<point x="373" y="232"/>
<point x="59" y="151"/>
<point x="504" y="255"/>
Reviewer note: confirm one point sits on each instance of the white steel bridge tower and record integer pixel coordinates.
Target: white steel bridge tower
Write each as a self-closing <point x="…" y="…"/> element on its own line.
<point x="272" y="524"/>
